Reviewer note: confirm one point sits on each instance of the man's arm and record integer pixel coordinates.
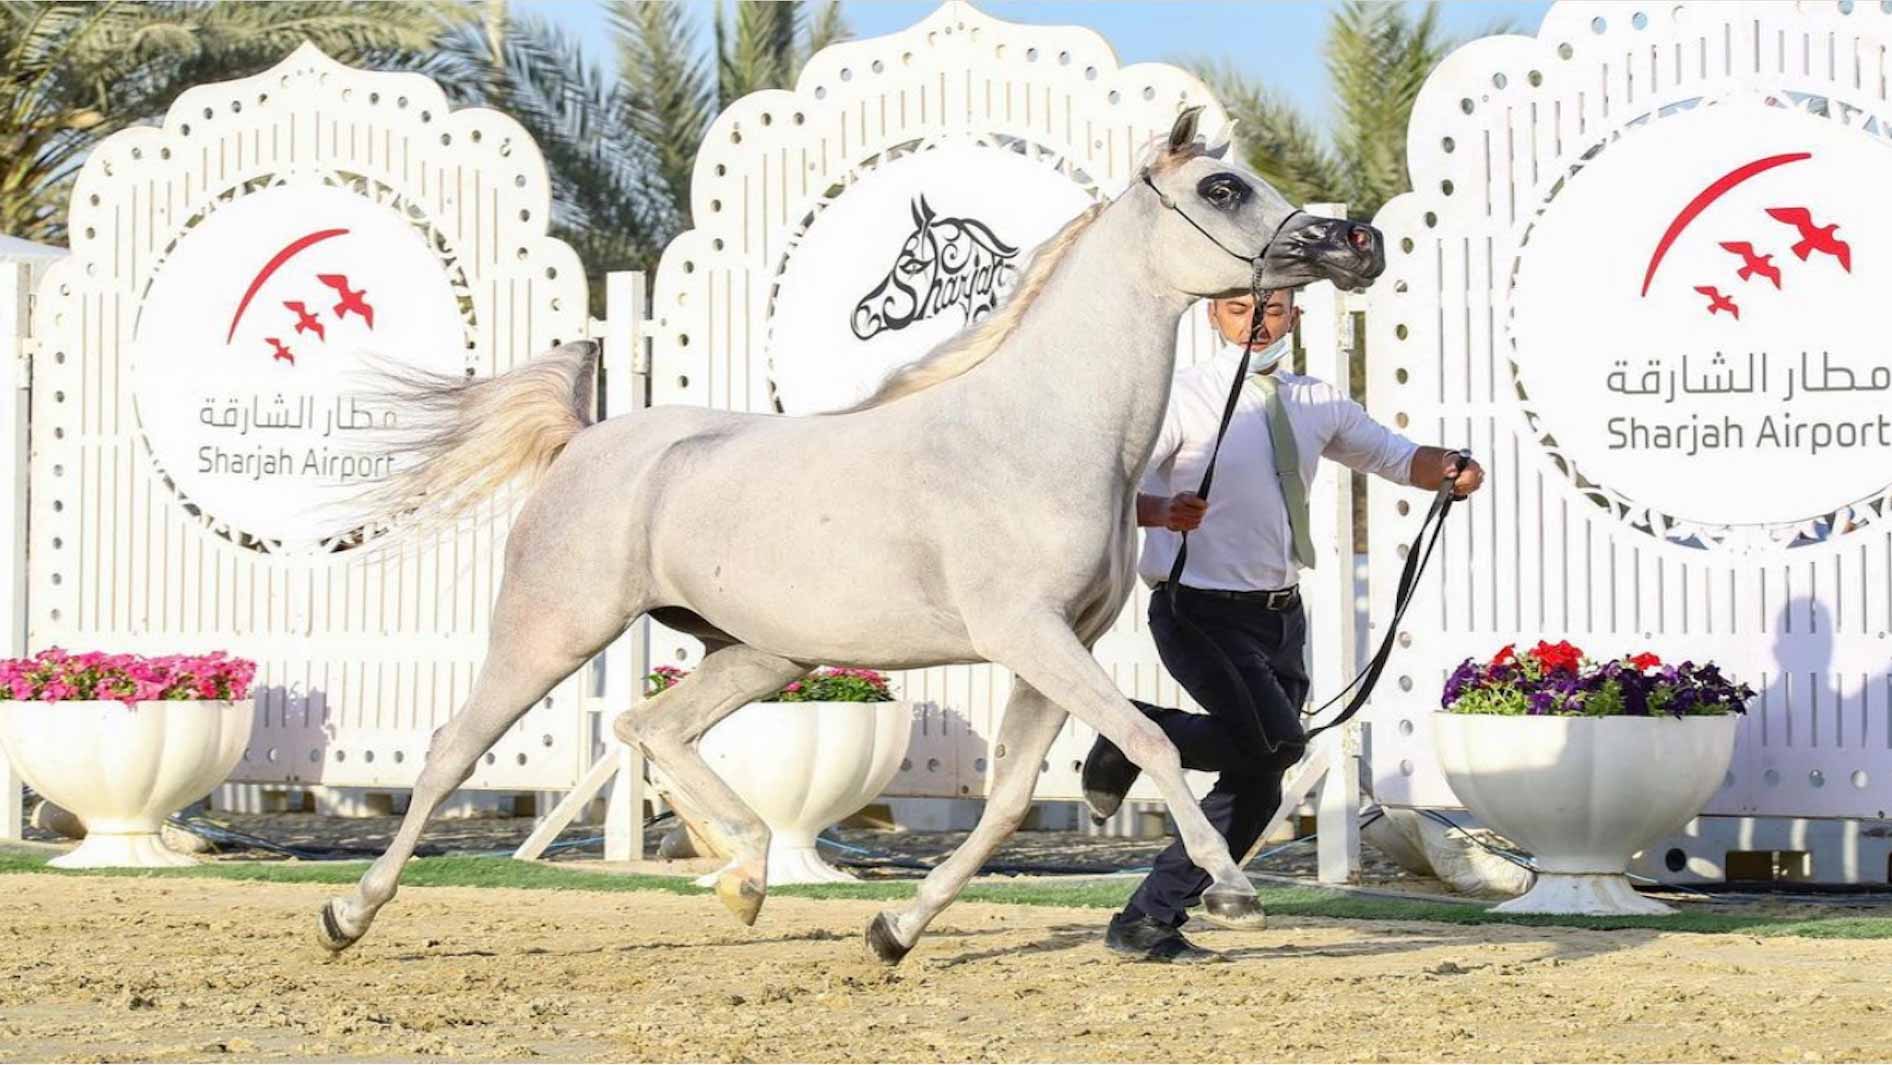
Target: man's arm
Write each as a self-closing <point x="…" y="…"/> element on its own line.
<point x="1432" y="465"/>
<point x="1365" y="445"/>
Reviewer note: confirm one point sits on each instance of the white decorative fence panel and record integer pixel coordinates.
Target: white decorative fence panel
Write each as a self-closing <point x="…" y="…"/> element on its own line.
<point x="184" y="498"/>
<point x="1603" y="286"/>
<point x="934" y="159"/>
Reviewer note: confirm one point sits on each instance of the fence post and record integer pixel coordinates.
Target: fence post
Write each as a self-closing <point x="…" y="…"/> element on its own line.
<point x="1325" y="333"/>
<point x="15" y="287"/>
<point x="626" y="390"/>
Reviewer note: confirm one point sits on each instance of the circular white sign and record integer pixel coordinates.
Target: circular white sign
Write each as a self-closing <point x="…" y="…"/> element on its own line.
<point x="248" y="348"/>
<point x="1696" y="319"/>
<point x="903" y="259"/>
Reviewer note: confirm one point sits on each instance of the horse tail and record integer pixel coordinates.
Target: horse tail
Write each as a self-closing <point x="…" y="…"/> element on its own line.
<point x="467" y="438"/>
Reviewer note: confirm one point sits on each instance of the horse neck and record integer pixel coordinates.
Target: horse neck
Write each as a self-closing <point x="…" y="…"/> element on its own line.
<point x="1093" y="356"/>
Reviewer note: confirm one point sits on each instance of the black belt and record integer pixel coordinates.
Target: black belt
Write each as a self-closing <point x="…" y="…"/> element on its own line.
<point x="1267" y="599"/>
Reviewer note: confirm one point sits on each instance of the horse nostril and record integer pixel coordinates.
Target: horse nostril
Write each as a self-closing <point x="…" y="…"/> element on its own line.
<point x="1360" y="238"/>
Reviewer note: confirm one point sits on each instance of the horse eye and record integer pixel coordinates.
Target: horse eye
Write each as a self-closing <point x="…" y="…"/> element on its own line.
<point x="1223" y="190"/>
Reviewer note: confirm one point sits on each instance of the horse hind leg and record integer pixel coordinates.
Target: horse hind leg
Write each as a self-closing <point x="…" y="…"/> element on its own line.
<point x="667" y="728"/>
<point x="537" y="641"/>
<point x="1030" y="726"/>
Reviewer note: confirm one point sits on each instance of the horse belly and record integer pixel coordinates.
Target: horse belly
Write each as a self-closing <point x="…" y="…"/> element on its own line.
<point x="794" y="565"/>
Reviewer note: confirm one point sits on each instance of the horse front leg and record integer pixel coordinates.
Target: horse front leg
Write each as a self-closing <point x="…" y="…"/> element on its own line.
<point x="1030" y="726"/>
<point x="1042" y="650"/>
<point x="667" y="728"/>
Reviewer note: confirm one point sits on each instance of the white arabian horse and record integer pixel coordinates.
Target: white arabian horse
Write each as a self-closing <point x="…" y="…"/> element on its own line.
<point x="978" y="508"/>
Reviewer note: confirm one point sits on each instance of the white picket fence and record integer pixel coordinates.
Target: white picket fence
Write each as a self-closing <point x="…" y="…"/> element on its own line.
<point x="972" y="137"/>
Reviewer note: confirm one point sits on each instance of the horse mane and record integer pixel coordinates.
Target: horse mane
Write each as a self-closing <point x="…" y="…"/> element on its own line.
<point x="972" y="346"/>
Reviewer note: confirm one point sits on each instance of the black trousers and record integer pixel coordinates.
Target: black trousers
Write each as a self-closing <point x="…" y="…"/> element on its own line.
<point x="1265" y="648"/>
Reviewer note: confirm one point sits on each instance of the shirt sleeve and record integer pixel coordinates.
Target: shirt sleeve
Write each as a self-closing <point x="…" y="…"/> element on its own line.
<point x="1163" y="453"/>
<point x="1363" y="444"/>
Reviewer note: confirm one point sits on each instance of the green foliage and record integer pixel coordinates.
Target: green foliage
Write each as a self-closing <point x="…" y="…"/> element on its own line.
<point x="673" y="98"/>
<point x="620" y="149"/>
<point x="1101" y="894"/>
<point x="74" y="73"/>
<point x="1377" y="55"/>
<point x="825" y="685"/>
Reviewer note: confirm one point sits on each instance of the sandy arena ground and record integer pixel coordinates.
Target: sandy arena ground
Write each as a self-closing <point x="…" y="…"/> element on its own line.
<point x="111" y="969"/>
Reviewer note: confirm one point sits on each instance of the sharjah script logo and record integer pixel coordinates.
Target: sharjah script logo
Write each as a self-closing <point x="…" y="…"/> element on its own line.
<point x="945" y="262"/>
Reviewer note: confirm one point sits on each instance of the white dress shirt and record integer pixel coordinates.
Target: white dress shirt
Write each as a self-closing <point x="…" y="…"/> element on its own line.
<point x="1244" y="543"/>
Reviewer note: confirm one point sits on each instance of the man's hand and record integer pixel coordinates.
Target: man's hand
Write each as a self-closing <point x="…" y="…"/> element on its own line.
<point x="1181" y="512"/>
<point x="1185" y="512"/>
<point x="1471" y="477"/>
<point x="1431" y="466"/>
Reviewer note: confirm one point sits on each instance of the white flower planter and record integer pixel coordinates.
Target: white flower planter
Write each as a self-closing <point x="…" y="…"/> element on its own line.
<point x="124" y="769"/>
<point x="1583" y="794"/>
<point x="803" y="766"/>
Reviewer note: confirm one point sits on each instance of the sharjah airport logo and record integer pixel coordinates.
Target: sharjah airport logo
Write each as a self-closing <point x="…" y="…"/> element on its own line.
<point x="944" y="263"/>
<point x="308" y="318"/>
<point x="1803" y="236"/>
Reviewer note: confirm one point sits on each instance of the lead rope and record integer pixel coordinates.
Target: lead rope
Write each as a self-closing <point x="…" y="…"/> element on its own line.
<point x="1416" y="557"/>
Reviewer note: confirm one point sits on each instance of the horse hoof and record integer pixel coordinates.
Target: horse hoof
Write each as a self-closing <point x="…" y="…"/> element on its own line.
<point x="885" y="945"/>
<point x="1232" y="909"/>
<point x="742" y="894"/>
<point x="330" y="933"/>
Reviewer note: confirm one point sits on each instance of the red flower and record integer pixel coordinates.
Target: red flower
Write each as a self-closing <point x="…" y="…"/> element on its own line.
<point x="1645" y="660"/>
<point x="1506" y="655"/>
<point x="1557" y="657"/>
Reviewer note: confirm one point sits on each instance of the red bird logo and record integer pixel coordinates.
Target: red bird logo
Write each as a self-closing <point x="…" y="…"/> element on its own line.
<point x="1814" y="238"/>
<point x="281" y="353"/>
<point x="1751" y="263"/>
<point x="306" y="322"/>
<point x="1718" y="302"/>
<point x="351" y="300"/>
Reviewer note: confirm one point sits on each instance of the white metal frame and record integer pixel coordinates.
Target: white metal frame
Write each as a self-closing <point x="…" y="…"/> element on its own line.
<point x="358" y="667"/>
<point x="1497" y="123"/>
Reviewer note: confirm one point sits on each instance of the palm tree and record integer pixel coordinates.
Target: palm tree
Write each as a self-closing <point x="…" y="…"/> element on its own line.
<point x="73" y="73"/>
<point x="1377" y="56"/>
<point x="674" y="97"/>
<point x="621" y="148"/>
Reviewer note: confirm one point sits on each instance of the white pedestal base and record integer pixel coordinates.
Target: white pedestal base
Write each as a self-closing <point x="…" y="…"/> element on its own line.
<point x="1599" y="895"/>
<point x="140" y="850"/>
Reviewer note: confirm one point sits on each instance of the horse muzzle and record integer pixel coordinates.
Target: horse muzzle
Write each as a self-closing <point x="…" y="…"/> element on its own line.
<point x="1350" y="254"/>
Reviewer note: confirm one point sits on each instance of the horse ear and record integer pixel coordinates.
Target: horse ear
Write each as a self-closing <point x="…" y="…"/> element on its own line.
<point x="914" y="206"/>
<point x="1184" y="131"/>
<point x="926" y="209"/>
<point x="1228" y="140"/>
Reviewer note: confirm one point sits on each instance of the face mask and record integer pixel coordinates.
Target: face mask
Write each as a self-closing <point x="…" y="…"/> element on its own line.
<point x="1264" y="358"/>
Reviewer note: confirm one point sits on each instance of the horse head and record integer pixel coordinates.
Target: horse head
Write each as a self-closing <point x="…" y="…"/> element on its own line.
<point x="1205" y="199"/>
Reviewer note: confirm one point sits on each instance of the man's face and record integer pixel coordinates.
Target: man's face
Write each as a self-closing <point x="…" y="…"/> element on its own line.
<point x="1234" y="317"/>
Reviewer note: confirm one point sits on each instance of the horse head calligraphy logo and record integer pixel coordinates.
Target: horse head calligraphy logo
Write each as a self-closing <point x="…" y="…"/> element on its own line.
<point x="944" y="263"/>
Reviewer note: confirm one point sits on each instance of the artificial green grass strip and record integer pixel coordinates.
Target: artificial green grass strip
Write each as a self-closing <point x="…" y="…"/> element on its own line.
<point x="1280" y="901"/>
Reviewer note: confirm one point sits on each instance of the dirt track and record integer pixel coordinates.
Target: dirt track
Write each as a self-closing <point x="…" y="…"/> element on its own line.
<point x="104" y="969"/>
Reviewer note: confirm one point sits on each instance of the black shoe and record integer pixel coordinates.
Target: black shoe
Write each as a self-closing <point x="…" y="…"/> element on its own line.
<point x="1149" y="939"/>
<point x="1106" y="779"/>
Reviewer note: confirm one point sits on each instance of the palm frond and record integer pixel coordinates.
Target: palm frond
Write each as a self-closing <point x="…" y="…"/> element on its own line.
<point x="827" y="27"/>
<point x="760" y="51"/>
<point x="668" y="99"/>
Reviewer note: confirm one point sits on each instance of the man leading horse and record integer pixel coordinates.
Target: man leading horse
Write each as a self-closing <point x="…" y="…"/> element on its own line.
<point x="1240" y="649"/>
